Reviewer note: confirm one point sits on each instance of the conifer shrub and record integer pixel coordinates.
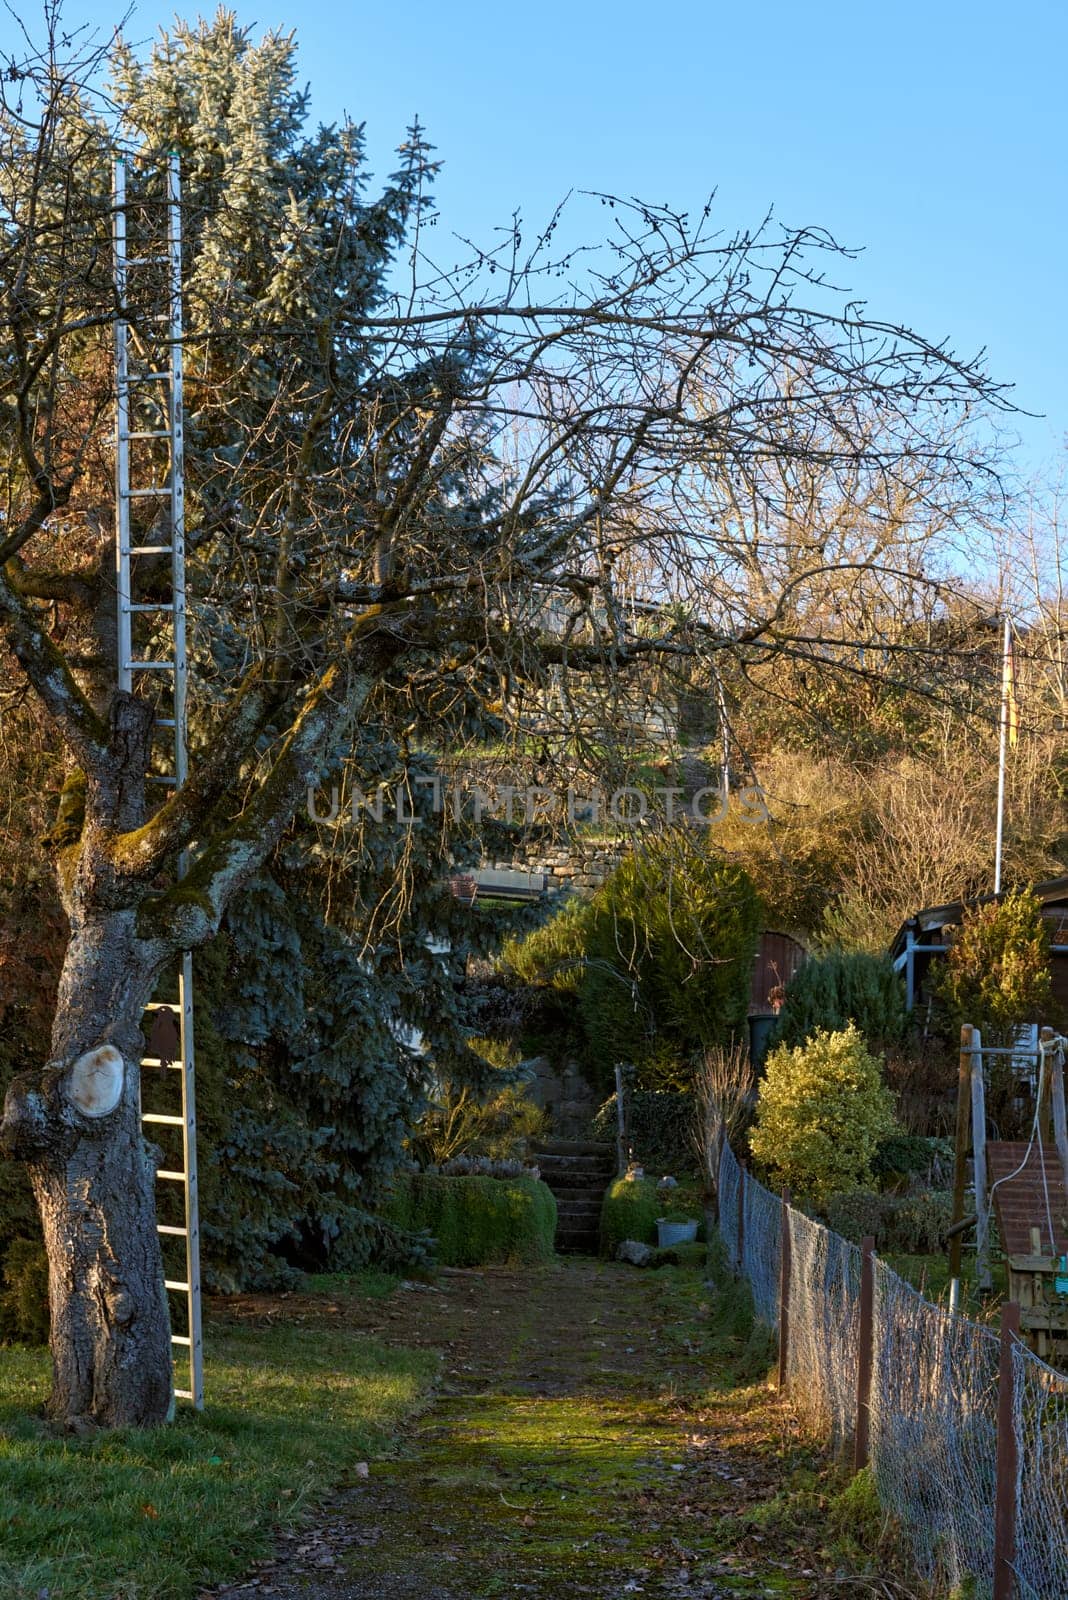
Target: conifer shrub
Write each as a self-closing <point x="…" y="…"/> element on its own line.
<point x="822" y="1111"/>
<point x="671" y="938"/>
<point x="997" y="972"/>
<point x="474" y="1221"/>
<point x="831" y="991"/>
<point x="914" y="1224"/>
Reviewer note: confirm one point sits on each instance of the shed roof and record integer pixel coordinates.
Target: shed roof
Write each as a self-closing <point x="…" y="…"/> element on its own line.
<point x="1052" y="892"/>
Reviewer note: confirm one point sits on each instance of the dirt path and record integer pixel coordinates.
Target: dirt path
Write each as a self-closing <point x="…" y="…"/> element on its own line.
<point x="593" y="1435"/>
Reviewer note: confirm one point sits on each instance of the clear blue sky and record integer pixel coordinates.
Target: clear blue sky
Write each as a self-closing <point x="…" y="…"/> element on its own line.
<point x="932" y="134"/>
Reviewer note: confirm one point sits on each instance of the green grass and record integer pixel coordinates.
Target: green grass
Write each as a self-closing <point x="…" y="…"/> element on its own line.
<point x="930" y="1274"/>
<point x="132" y="1515"/>
<point x="370" y="1283"/>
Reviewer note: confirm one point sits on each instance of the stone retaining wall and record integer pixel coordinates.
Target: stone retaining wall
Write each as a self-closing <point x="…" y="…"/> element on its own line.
<point x="575" y="867"/>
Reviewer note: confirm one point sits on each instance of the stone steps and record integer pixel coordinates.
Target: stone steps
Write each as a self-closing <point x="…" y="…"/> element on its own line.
<point x="578" y="1171"/>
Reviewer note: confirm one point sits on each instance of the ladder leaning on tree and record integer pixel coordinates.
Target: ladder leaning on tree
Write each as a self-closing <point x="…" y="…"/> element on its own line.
<point x="149" y="478"/>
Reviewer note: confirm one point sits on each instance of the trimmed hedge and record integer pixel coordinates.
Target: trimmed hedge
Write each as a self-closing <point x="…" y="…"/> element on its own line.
<point x="629" y="1211"/>
<point x="477" y="1220"/>
<point x="632" y="1207"/>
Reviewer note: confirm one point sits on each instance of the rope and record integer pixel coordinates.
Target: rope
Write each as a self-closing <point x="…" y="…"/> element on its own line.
<point x="1045" y="1047"/>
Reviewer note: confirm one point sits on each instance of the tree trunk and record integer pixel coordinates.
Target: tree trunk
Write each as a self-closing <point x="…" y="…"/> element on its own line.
<point x="77" y="1125"/>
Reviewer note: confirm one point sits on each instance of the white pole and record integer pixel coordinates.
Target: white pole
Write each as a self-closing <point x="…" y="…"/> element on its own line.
<point x="1002" y="751"/>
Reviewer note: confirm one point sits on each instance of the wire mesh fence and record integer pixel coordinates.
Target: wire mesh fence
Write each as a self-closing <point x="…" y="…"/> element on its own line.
<point x="934" y="1395"/>
<point x="1040" y="1408"/>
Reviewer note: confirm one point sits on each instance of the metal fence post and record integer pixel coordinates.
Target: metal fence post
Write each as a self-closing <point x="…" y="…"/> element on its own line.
<point x="1007" y="1463"/>
<point x="784" y="1290"/>
<point x="865" y="1343"/>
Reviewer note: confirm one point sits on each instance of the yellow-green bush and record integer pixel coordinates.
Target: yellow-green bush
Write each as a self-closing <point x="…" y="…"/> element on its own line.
<point x="822" y="1111"/>
<point x="477" y="1220"/>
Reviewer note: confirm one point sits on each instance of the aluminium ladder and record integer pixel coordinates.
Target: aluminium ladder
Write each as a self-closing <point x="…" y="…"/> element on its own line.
<point x="149" y="445"/>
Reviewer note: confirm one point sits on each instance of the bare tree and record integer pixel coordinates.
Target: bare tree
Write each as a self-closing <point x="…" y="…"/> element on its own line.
<point x="368" y="548"/>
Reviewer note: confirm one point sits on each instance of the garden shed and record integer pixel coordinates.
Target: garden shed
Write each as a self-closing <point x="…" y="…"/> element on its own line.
<point x="924" y="938"/>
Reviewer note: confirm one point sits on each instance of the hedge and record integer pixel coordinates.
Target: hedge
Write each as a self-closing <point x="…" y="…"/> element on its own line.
<point x="476" y="1220"/>
<point x="629" y="1211"/>
<point x="632" y="1207"/>
<point x="659" y="1129"/>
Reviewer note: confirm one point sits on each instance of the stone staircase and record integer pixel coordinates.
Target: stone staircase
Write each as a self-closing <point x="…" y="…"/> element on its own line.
<point x="578" y="1172"/>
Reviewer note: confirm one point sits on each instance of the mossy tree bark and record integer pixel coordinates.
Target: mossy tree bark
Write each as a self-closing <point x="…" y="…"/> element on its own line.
<point x="77" y="1123"/>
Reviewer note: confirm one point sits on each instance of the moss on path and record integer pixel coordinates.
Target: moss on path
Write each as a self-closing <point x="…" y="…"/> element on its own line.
<point x="597" y="1432"/>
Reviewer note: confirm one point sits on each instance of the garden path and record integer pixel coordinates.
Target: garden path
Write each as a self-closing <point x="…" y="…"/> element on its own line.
<point x="597" y="1432"/>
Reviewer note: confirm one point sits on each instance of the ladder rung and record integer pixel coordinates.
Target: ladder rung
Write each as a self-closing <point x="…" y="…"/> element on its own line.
<point x="162" y="1117"/>
<point x="164" y="1227"/>
<point x="145" y="433"/>
<point x="164" y="722"/>
<point x="150" y="550"/>
<point x="149" y="666"/>
<point x="163" y="1005"/>
<point x="146" y="494"/>
<point x="174" y="1177"/>
<point x="173" y="1283"/>
<point x="154" y="605"/>
<point x="145" y="261"/>
<point x="171" y="783"/>
<point x="154" y="1061"/>
<point x="183" y="1394"/>
<point x="148" y="377"/>
<point x="181" y="1338"/>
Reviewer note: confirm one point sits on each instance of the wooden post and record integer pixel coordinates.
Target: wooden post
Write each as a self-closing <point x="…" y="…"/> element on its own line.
<point x="1055" y="1068"/>
<point x="960" y="1162"/>
<point x="741" y="1215"/>
<point x="1007" y="1463"/>
<point x="784" y="1289"/>
<point x="982" y="1200"/>
<point x="865" y="1351"/>
<point x="621" y="1123"/>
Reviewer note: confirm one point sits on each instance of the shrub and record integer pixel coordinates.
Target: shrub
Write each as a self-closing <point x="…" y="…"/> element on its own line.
<point x="24" y="1293"/>
<point x="830" y="992"/>
<point x="670" y="943"/>
<point x="659" y="1129"/>
<point x="629" y="1211"/>
<point x="910" y="1225"/>
<point x="919" y="1223"/>
<point x="468" y="1120"/>
<point x="552" y="954"/>
<point x="904" y="1157"/>
<point x="858" y="1213"/>
<point x="997" y="971"/>
<point x="821" y="1112"/>
<point x="477" y="1220"/>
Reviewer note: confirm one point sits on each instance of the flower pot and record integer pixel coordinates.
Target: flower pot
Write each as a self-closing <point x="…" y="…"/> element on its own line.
<point x="669" y="1233"/>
